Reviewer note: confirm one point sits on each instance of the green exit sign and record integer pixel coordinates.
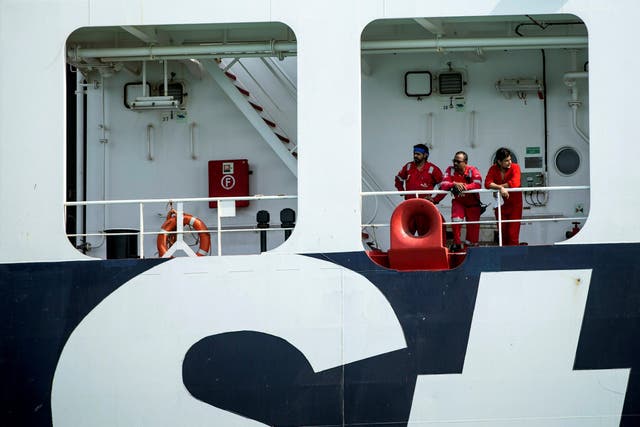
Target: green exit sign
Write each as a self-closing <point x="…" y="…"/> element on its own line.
<point x="533" y="150"/>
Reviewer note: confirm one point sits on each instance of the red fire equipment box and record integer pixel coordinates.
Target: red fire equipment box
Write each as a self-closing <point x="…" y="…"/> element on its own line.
<point x="229" y="178"/>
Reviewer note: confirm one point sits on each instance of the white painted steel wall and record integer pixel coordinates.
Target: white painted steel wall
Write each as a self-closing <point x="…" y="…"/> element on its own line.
<point x="32" y="121"/>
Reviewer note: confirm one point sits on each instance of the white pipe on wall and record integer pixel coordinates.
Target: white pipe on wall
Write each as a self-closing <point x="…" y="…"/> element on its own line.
<point x="475" y="43"/>
<point x="472" y="129"/>
<point x="164" y="69"/>
<point x="159" y="52"/>
<point x="270" y="48"/>
<point x="569" y="80"/>
<point x="105" y="158"/>
<point x="192" y="140"/>
<point x="430" y="124"/>
<point x="574" y="75"/>
<point x="80" y="155"/>
<point x="149" y="142"/>
<point x="580" y="132"/>
<point x="144" y="79"/>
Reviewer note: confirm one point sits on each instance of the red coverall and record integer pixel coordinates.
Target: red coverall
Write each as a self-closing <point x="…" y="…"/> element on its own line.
<point x="411" y="178"/>
<point x="512" y="207"/>
<point x="464" y="205"/>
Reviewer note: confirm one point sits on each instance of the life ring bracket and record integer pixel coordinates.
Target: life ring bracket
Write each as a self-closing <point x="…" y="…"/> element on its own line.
<point x="164" y="243"/>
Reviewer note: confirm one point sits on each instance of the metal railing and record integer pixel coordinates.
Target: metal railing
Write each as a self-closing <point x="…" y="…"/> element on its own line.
<point x="223" y="203"/>
<point x="496" y="195"/>
<point x="227" y="201"/>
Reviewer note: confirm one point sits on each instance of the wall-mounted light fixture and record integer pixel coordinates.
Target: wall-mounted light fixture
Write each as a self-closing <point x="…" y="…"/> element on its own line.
<point x="417" y="83"/>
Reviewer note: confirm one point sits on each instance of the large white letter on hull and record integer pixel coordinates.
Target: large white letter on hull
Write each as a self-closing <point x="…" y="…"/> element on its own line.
<point x="123" y="364"/>
<point x="518" y="368"/>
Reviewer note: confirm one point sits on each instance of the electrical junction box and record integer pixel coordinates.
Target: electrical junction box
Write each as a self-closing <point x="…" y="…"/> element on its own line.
<point x="532" y="179"/>
<point x="533" y="160"/>
<point x="533" y="163"/>
<point x="229" y="178"/>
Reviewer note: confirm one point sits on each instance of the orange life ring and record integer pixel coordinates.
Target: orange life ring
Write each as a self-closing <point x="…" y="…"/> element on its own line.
<point x="170" y="225"/>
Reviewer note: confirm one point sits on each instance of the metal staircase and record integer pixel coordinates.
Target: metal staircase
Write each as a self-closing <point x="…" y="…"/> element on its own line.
<point x="268" y="129"/>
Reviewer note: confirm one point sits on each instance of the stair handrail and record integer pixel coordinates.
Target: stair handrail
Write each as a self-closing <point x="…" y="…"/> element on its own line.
<point x="282" y="118"/>
<point x="369" y="181"/>
<point x="284" y="79"/>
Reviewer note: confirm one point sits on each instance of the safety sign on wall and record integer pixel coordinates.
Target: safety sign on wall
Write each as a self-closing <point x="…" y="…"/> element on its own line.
<point x="229" y="178"/>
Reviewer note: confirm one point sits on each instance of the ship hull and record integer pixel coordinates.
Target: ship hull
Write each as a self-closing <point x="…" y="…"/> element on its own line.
<point x="514" y="336"/>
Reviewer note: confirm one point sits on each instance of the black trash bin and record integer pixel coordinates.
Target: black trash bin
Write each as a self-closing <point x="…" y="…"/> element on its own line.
<point x="122" y="245"/>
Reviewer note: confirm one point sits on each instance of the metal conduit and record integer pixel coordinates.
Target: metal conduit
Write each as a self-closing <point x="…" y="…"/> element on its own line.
<point x="274" y="48"/>
<point x="569" y="80"/>
<point x="158" y="52"/>
<point x="478" y="43"/>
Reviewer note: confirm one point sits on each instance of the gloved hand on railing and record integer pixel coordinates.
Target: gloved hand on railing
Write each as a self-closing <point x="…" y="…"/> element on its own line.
<point x="458" y="188"/>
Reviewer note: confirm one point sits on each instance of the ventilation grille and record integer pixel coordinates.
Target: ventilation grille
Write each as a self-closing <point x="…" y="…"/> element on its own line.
<point x="450" y="83"/>
<point x="174" y="89"/>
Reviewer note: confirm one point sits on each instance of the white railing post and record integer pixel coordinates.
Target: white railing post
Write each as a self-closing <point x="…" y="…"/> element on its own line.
<point x="141" y="234"/>
<point x="499" y="198"/>
<point x="179" y="244"/>
<point x="219" y="228"/>
<point x="179" y="220"/>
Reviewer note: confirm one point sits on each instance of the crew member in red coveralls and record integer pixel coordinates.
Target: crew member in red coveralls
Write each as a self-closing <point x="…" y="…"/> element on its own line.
<point x="505" y="174"/>
<point x="459" y="178"/>
<point x="420" y="175"/>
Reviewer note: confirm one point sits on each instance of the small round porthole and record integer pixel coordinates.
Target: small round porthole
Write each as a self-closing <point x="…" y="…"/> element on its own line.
<point x="567" y="161"/>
